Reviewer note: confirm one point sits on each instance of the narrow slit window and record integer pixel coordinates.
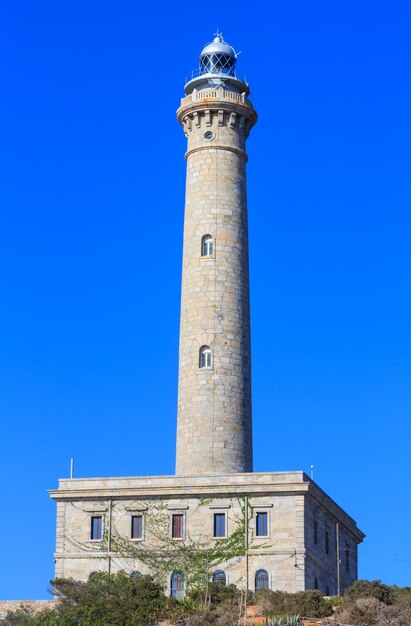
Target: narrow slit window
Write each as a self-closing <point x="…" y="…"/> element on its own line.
<point x="207" y="246"/>
<point x="315" y="533"/>
<point x="219" y="524"/>
<point x="347" y="558"/>
<point x="136" y="526"/>
<point x="96" y="528"/>
<point x="261" y="526"/>
<point x="327" y="542"/>
<point x="177" y="526"/>
<point x="205" y="358"/>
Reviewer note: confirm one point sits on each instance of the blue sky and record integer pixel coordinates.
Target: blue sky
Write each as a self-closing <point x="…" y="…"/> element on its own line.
<point x="91" y="203"/>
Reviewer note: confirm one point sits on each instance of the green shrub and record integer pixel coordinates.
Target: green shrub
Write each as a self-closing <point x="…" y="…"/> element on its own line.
<point x="375" y="604"/>
<point x="401" y="595"/>
<point x="216" y="593"/>
<point x="368" y="589"/>
<point x="106" y="599"/>
<point x="25" y="617"/>
<point x="372" y="612"/>
<point x="307" y="603"/>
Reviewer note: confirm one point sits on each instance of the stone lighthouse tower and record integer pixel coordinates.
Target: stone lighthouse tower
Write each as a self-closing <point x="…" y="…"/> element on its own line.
<point x="106" y="524"/>
<point x="214" y="430"/>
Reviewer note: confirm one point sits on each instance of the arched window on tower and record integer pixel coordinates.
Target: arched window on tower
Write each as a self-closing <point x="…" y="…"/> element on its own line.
<point x="177" y="585"/>
<point x="205" y="358"/>
<point x="207" y="246"/>
<point x="261" y="579"/>
<point x="219" y="577"/>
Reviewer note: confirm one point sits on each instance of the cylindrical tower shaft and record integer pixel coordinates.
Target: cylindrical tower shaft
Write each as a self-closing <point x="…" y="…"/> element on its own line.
<point x="214" y="402"/>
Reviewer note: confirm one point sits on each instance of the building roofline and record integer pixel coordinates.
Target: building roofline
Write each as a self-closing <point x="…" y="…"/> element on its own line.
<point x="251" y="483"/>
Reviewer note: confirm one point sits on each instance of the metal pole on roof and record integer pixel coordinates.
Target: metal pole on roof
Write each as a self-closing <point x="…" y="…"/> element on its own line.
<point x="337" y="531"/>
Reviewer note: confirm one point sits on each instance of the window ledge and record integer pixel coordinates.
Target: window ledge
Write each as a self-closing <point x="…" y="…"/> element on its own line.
<point x="219" y="538"/>
<point x="177" y="507"/>
<point x="136" y="508"/>
<point x="221" y="506"/>
<point x="261" y="507"/>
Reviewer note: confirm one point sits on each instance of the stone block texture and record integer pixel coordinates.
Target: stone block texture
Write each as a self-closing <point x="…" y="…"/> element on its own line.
<point x="293" y="559"/>
<point x="214" y="403"/>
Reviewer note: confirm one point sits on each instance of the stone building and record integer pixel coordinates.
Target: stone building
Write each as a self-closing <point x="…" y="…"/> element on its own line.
<point x="277" y="529"/>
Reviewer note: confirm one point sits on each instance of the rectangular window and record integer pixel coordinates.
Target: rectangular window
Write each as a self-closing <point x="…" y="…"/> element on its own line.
<point x="327" y="542"/>
<point x="177" y="526"/>
<point x="315" y="533"/>
<point x="347" y="558"/>
<point x="261" y="527"/>
<point x="219" y="524"/>
<point x="136" y="526"/>
<point x="96" y="528"/>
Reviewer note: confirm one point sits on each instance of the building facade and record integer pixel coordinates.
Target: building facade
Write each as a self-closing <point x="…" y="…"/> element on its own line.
<point x="275" y="530"/>
<point x="291" y="527"/>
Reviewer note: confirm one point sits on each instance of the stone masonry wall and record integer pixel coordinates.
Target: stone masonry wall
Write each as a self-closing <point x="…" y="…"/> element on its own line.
<point x="281" y="552"/>
<point x="321" y="544"/>
<point x="214" y="405"/>
<point x="34" y="606"/>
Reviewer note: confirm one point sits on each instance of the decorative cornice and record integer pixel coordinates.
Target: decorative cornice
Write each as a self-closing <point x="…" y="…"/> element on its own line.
<point x="219" y="101"/>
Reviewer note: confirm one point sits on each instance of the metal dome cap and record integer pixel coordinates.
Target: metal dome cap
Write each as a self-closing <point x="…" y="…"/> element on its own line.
<point x="218" y="57"/>
<point x="218" y="45"/>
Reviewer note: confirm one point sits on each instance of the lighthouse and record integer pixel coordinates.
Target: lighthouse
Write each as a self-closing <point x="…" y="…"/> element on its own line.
<point x="214" y="426"/>
<point x="286" y="532"/>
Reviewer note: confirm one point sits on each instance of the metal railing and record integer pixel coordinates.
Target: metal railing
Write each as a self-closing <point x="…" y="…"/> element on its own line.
<point x="199" y="72"/>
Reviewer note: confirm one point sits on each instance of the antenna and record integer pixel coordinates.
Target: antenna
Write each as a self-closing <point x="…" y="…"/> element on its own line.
<point x="72" y="467"/>
<point x="312" y="472"/>
<point x="219" y="34"/>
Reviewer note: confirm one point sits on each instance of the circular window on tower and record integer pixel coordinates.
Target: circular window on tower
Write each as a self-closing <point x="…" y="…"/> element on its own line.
<point x="209" y="135"/>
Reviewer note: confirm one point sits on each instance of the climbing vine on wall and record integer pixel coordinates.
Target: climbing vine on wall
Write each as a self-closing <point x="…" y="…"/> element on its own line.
<point x="162" y="554"/>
